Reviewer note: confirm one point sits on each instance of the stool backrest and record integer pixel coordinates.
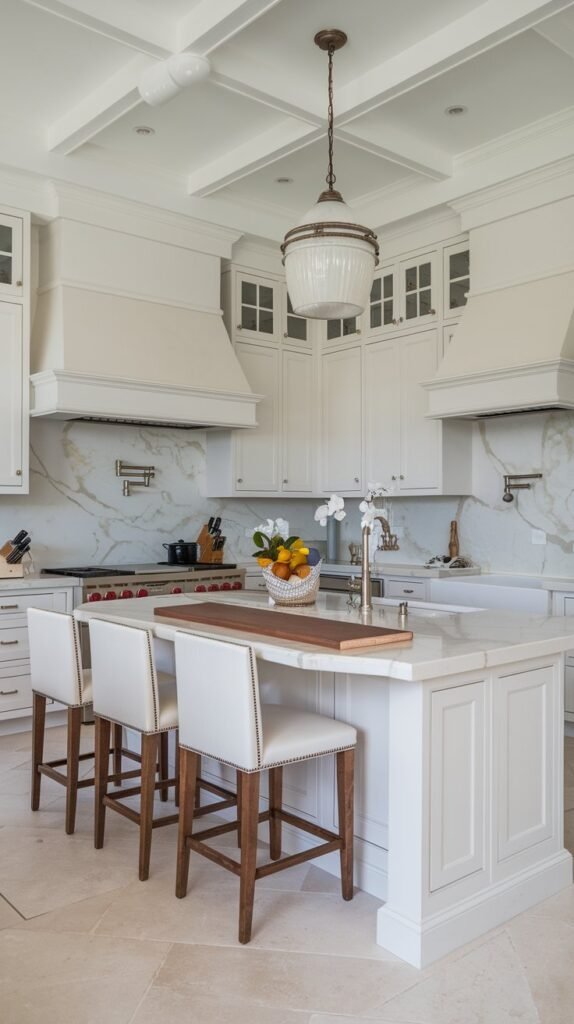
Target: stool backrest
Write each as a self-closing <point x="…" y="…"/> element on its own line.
<point x="218" y="700"/>
<point x="55" y="657"/>
<point x="124" y="677"/>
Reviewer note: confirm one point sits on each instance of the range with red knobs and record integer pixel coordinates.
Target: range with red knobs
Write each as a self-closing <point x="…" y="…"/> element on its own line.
<point x="122" y="583"/>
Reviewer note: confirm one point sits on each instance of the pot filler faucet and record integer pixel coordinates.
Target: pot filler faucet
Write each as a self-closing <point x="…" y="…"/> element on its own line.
<point x="511" y="483"/>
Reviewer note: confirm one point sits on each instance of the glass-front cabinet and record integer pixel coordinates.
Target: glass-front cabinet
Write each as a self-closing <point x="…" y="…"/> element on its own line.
<point x="257" y="308"/>
<point x="384" y="302"/>
<point x="338" y="331"/>
<point x="296" y="329"/>
<point x="456" y="277"/>
<point x="11" y="231"/>
<point x="418" y="290"/>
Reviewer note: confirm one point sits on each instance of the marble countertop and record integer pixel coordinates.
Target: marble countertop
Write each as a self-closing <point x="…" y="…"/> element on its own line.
<point x="37" y="580"/>
<point x="380" y="569"/>
<point x="445" y="642"/>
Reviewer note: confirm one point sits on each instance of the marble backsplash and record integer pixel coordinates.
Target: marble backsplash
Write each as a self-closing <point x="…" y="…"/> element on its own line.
<point x="76" y="512"/>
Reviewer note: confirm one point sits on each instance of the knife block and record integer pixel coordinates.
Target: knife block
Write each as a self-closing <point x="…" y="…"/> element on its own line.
<point x="8" y="571"/>
<point x="206" y="552"/>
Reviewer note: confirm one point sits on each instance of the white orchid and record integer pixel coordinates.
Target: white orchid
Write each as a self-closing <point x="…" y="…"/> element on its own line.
<point x="271" y="528"/>
<point x="335" y="507"/>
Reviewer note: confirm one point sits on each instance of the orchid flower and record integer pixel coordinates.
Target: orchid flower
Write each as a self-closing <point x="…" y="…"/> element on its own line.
<point x="335" y="507"/>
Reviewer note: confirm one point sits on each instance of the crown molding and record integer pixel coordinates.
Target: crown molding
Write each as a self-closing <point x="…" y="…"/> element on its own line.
<point x="543" y="185"/>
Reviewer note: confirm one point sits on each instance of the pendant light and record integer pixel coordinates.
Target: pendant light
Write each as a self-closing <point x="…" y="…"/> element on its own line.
<point x="329" y="259"/>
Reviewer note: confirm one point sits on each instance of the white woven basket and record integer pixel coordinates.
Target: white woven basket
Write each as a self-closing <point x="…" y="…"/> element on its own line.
<point x="293" y="594"/>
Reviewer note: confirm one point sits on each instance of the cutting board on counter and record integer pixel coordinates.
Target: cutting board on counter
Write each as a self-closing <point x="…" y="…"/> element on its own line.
<point x="301" y="629"/>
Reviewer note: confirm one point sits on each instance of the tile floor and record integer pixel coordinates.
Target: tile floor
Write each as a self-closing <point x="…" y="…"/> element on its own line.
<point x="82" y="941"/>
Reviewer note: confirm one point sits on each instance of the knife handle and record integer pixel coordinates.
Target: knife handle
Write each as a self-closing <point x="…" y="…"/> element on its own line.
<point x="20" y="537"/>
<point x="210" y="524"/>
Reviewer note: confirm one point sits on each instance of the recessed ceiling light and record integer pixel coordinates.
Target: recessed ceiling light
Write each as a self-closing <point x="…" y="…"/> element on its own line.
<point x="456" y="110"/>
<point x="144" y="129"/>
<point x="284" y="181"/>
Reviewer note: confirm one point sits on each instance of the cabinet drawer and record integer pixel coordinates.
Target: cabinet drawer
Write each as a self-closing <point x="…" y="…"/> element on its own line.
<point x="17" y="603"/>
<point x="414" y="589"/>
<point x="15" y="690"/>
<point x="13" y="643"/>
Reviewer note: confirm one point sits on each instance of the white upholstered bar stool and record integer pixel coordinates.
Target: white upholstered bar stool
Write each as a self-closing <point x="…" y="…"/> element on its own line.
<point x="130" y="689"/>
<point x="221" y="716"/>
<point x="57" y="674"/>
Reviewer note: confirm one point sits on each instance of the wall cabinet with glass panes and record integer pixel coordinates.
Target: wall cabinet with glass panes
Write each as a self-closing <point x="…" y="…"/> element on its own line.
<point x="297" y="330"/>
<point x="252" y="306"/>
<point x="14" y="350"/>
<point x="338" y="332"/>
<point x="456" y="278"/>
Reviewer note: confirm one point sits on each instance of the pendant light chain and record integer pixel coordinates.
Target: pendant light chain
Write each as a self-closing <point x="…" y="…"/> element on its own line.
<point x="331" y="178"/>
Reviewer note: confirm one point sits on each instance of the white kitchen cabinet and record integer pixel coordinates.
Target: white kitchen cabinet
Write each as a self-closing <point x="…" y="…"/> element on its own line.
<point x="456" y="278"/>
<point x="11" y="256"/>
<point x="405" y="449"/>
<point x="297" y="330"/>
<point x="341" y="332"/>
<point x="341" y="421"/>
<point x="563" y="604"/>
<point x="418" y="289"/>
<point x="13" y="401"/>
<point x="252" y="304"/>
<point x="447" y="337"/>
<point x="298" y="408"/>
<point x="257" y="450"/>
<point x="383" y="313"/>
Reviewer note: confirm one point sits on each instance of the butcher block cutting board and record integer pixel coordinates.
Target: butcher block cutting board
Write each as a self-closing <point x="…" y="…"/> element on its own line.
<point x="339" y="636"/>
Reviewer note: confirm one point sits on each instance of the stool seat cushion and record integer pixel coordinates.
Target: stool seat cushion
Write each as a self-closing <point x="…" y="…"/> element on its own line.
<point x="293" y="735"/>
<point x="167" y="701"/>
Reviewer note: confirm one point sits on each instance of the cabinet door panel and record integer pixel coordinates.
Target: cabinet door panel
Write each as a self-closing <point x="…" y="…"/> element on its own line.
<point x="420" y="437"/>
<point x="257" y="307"/>
<point x="297" y="392"/>
<point x="11" y="409"/>
<point x="257" y="463"/>
<point x="11" y="231"/>
<point x="382" y="420"/>
<point x="418" y="290"/>
<point x="342" y="421"/>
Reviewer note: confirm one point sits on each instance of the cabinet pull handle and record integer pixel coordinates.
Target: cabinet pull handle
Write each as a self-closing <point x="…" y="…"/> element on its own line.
<point x="405" y="591"/>
<point x="356" y="480"/>
<point x="8" y="643"/>
<point x="239" y="479"/>
<point x="7" y="693"/>
<point x="8" y="607"/>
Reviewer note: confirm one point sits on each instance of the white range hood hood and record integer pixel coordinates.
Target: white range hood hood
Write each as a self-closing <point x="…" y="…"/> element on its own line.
<point x="128" y="328"/>
<point x="512" y="351"/>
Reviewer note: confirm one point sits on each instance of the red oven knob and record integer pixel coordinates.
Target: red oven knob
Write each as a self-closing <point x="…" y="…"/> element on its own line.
<point x="142" y="592"/>
<point x="95" y="596"/>
<point x="127" y="593"/>
<point x="225" y="586"/>
<point x="200" y="588"/>
<point x="176" y="590"/>
<point x="237" y="585"/>
<point x="110" y="595"/>
<point x="213" y="586"/>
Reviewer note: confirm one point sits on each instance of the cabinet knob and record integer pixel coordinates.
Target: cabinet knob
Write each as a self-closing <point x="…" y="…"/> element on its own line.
<point x="18" y="472"/>
<point x="401" y="477"/>
<point x="393" y="478"/>
<point x="395" y="322"/>
<point x="18" y="285"/>
<point x="432" y="312"/>
<point x="238" y="327"/>
<point x="401" y="318"/>
<point x="356" y="480"/>
<point x="358" y="331"/>
<point x="239" y="479"/>
<point x="285" y="481"/>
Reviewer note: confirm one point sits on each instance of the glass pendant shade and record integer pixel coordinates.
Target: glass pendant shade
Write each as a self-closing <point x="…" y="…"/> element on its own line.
<point x="329" y="263"/>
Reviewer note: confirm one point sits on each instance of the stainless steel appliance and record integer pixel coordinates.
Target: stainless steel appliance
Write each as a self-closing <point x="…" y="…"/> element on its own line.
<point x="344" y="584"/>
<point x="111" y="583"/>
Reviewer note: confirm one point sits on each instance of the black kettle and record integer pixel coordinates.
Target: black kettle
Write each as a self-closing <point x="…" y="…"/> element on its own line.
<point x="181" y="552"/>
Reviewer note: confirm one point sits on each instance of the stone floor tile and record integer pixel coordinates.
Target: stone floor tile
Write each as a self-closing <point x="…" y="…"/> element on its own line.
<point x="317" y="880"/>
<point x="306" y="982"/>
<point x="82" y="916"/>
<point x="9" y="918"/>
<point x="187" y="1008"/>
<point x="62" y="978"/>
<point x="545" y="947"/>
<point x="487" y="986"/>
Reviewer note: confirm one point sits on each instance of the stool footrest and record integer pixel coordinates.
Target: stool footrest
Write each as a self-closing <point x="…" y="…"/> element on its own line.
<point x="297" y="858"/>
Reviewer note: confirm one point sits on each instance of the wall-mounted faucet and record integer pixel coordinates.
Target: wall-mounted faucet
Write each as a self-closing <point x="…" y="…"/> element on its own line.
<point x="511" y="483"/>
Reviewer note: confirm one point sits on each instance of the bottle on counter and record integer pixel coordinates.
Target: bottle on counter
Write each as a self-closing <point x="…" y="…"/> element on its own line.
<point x="453" y="545"/>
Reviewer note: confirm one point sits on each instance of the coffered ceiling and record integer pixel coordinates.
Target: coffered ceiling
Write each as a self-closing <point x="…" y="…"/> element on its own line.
<point x="69" y="71"/>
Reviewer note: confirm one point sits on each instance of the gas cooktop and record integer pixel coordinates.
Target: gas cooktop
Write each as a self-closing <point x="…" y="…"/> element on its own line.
<point x="92" y="571"/>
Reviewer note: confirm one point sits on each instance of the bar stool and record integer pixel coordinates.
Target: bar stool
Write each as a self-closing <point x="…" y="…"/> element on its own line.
<point x="57" y="674"/>
<point x="130" y="690"/>
<point x="220" y="715"/>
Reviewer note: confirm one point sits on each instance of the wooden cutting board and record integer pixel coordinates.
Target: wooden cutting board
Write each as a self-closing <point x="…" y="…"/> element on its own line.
<point x="339" y="636"/>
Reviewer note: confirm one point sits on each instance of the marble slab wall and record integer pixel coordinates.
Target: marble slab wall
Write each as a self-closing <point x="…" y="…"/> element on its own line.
<point x="77" y="514"/>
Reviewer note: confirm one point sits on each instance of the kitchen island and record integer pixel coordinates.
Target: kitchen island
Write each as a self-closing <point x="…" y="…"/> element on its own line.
<point x="459" y="787"/>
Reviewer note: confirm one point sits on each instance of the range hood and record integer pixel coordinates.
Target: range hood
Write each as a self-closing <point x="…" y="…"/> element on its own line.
<point x="101" y="352"/>
<point x="512" y="351"/>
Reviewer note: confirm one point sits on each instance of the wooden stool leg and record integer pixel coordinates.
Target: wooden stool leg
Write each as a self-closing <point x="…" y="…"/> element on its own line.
<point x="197" y="786"/>
<point x="187" y="790"/>
<point x="73" y="764"/>
<point x="345" y="799"/>
<point x="176" y="794"/>
<point x="38" y="724"/>
<point x="238" y="793"/>
<point x="102" y="759"/>
<point x="249" y="784"/>
<point x="275" y="804"/>
<point x="118" y="739"/>
<point x="163" y="764"/>
<point x="149" y="752"/>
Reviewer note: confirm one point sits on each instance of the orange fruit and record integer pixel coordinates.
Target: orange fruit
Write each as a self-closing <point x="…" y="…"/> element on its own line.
<point x="303" y="571"/>
<point x="281" y="569"/>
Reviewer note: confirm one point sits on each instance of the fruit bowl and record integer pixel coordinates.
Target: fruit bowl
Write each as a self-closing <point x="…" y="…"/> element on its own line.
<point x="290" y="593"/>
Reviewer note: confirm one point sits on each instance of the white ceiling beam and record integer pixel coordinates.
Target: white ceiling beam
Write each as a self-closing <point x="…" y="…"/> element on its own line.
<point x="250" y="156"/>
<point x="209" y="25"/>
<point x="127" y="23"/>
<point x="114" y="98"/>
<point x="559" y="32"/>
<point x="479" y="30"/>
<point x="403" y="149"/>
